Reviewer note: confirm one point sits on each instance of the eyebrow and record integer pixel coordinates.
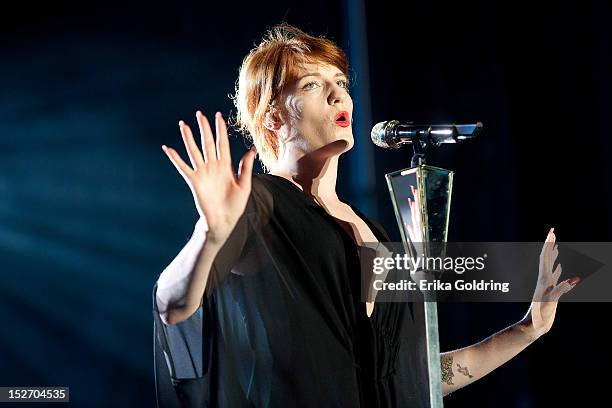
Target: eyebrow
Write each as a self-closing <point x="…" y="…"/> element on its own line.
<point x="316" y="74"/>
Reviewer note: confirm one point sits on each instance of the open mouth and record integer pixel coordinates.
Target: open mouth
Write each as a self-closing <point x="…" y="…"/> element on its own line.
<point x="342" y="119"/>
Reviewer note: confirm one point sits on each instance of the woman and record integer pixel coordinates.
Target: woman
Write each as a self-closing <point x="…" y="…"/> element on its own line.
<point x="273" y="260"/>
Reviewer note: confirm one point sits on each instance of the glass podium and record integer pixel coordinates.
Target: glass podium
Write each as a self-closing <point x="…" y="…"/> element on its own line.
<point x="421" y="198"/>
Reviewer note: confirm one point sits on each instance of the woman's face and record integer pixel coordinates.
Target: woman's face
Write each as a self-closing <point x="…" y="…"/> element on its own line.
<point x="318" y="111"/>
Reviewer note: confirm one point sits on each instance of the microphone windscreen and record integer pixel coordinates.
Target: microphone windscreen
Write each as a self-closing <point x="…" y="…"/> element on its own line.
<point x="378" y="135"/>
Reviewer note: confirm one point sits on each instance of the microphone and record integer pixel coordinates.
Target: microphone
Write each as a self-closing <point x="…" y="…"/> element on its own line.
<point x="392" y="134"/>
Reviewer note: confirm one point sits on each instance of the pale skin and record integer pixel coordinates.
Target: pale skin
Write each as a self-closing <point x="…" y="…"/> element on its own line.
<point x="464" y="366"/>
<point x="310" y="144"/>
<point x="220" y="198"/>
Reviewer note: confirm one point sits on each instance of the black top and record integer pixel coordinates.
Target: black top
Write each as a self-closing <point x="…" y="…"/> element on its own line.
<point x="283" y="323"/>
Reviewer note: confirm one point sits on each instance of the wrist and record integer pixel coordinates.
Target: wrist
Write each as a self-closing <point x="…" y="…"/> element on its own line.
<point x="213" y="241"/>
<point x="210" y="239"/>
<point x="526" y="330"/>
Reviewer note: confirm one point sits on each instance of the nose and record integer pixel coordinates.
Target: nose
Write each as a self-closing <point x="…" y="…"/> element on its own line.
<point x="337" y="94"/>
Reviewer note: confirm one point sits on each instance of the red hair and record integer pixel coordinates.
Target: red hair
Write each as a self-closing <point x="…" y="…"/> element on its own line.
<point x="265" y="73"/>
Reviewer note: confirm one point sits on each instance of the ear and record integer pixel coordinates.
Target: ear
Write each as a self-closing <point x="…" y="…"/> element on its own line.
<point x="272" y="122"/>
<point x="274" y="118"/>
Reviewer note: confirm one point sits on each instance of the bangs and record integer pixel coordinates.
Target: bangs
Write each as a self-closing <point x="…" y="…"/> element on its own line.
<point x="292" y="63"/>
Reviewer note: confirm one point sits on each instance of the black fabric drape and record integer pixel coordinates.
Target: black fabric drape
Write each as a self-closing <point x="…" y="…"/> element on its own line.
<point x="282" y="322"/>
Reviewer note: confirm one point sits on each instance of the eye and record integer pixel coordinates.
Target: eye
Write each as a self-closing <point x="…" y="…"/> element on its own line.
<point x="310" y="85"/>
<point x="343" y="83"/>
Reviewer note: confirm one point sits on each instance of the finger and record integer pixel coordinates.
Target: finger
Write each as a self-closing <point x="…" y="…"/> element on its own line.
<point x="553" y="254"/>
<point x="410" y="232"/>
<point x="193" y="151"/>
<point x="176" y="160"/>
<point x="245" y="169"/>
<point x="413" y="211"/>
<point x="223" y="145"/>
<point x="550" y="259"/>
<point x="548" y="244"/>
<point x="415" y="194"/>
<point x="208" y="143"/>
<point x="556" y="274"/>
<point x="416" y="206"/>
<point x="561" y="289"/>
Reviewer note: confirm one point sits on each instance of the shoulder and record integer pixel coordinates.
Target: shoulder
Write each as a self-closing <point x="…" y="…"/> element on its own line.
<point x="380" y="231"/>
<point x="377" y="229"/>
<point x="262" y="179"/>
<point x="263" y="183"/>
<point x="263" y="194"/>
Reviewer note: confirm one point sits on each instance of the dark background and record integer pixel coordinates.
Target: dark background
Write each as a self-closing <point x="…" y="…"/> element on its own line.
<point x="91" y="210"/>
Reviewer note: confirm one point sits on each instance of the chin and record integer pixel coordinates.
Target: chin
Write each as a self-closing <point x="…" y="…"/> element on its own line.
<point x="348" y="145"/>
<point x="349" y="141"/>
<point x="343" y="145"/>
<point x="339" y="144"/>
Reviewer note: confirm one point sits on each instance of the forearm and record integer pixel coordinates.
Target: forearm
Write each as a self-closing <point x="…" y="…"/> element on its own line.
<point x="181" y="285"/>
<point x="464" y="366"/>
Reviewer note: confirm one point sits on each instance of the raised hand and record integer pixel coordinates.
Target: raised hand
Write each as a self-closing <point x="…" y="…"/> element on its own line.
<point x="220" y="197"/>
<point x="415" y="231"/>
<point x="541" y="314"/>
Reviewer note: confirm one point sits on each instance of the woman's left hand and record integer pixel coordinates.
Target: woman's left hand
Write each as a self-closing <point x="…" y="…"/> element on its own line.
<point x="541" y="314"/>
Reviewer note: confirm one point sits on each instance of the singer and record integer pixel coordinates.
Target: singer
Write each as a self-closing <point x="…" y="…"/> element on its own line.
<point x="273" y="259"/>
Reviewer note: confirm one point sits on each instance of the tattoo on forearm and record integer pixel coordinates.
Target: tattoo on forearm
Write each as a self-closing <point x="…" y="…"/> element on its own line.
<point x="446" y="364"/>
<point x="464" y="371"/>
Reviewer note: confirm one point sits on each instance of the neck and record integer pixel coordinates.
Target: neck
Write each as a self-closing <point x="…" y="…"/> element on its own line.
<point x="315" y="173"/>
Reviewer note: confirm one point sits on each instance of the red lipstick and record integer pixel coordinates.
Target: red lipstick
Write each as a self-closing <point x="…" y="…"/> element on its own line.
<point x="342" y="119"/>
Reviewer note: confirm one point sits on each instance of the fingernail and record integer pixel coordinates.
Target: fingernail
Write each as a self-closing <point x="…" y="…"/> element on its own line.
<point x="164" y="147"/>
<point x="254" y="149"/>
<point x="218" y="114"/>
<point x="574" y="281"/>
<point x="199" y="113"/>
<point x="181" y="123"/>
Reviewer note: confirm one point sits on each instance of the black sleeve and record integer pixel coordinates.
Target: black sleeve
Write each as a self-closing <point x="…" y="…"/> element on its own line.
<point x="256" y="216"/>
<point x="184" y="351"/>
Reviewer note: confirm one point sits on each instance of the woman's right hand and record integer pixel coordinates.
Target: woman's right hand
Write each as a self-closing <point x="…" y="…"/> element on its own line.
<point x="220" y="197"/>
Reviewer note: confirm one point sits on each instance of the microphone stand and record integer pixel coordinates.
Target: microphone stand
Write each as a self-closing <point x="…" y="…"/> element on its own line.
<point x="421" y="197"/>
<point x="420" y="147"/>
